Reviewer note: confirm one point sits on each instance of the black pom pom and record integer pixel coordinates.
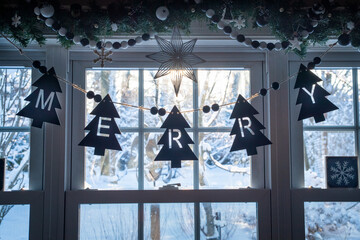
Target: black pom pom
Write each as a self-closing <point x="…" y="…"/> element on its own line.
<point x="43" y="69"/>
<point x="206" y="109"/>
<point x="162" y="111"/>
<point x="97" y="98"/>
<point x="285" y="44"/>
<point x="344" y="39"/>
<point x="84" y="42"/>
<point x="240" y="38"/>
<point x="56" y="26"/>
<point x="154" y="110"/>
<point x="261" y="21"/>
<point x="275" y="85"/>
<point x="69" y="35"/>
<point x="90" y="94"/>
<point x="116" y="45"/>
<point x="255" y="44"/>
<point x="317" y="60"/>
<point x="131" y="42"/>
<point x="215" y="107"/>
<point x="263" y="92"/>
<point x="270" y="46"/>
<point x="145" y="36"/>
<point x="36" y="64"/>
<point x="227" y="29"/>
<point x="99" y="44"/>
<point x="311" y="65"/>
<point x="216" y="18"/>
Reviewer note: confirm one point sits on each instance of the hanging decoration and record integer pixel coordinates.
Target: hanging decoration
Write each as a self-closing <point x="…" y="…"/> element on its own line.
<point x="176" y="59"/>
<point x="247" y="129"/>
<point x="162" y="13"/>
<point x="102" y="128"/>
<point x="312" y="96"/>
<point x="175" y="140"/>
<point x="342" y="172"/>
<point x="43" y="101"/>
<point x="102" y="56"/>
<point x="16" y="20"/>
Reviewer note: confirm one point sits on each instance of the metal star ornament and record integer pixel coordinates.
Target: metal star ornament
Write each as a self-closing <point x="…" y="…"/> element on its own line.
<point x="176" y="59"/>
<point x="295" y="44"/>
<point x="102" y="56"/>
<point x="16" y="20"/>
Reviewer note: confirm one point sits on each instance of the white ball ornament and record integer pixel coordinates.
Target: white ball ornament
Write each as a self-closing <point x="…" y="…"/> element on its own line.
<point x="49" y="22"/>
<point x="108" y="45"/>
<point x="47" y="11"/>
<point x="210" y="13"/>
<point x="162" y="13"/>
<point x="221" y="25"/>
<point x="76" y="39"/>
<point x="248" y="41"/>
<point x="138" y="40"/>
<point x="62" y="31"/>
<point x="124" y="45"/>
<point x="92" y="44"/>
<point x="278" y="46"/>
<point x="37" y="11"/>
<point x="263" y="45"/>
<point x="305" y="34"/>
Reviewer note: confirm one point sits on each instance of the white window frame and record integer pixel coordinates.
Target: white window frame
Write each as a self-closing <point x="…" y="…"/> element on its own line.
<point x="300" y="194"/>
<point x="76" y="195"/>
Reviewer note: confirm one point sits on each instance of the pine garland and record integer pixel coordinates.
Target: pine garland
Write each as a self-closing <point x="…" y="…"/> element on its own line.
<point x="286" y="19"/>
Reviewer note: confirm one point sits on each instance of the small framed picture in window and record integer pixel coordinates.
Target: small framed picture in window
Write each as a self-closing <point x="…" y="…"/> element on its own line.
<point x="342" y="172"/>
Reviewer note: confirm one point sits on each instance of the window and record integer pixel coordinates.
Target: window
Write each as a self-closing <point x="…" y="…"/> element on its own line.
<point x="319" y="212"/>
<point x="124" y="181"/>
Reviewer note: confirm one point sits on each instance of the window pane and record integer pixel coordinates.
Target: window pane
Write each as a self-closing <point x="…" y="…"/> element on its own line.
<point x="220" y="168"/>
<point x="230" y="221"/>
<point x="160" y="93"/>
<point x="318" y="145"/>
<point x="116" y="169"/>
<point x="170" y="221"/>
<point x="15" y="85"/>
<point x="122" y="86"/>
<point x="16" y="149"/>
<point x="159" y="173"/>
<point x="108" y="221"/>
<point x="221" y="86"/>
<point x="14" y="222"/>
<point x="332" y="220"/>
<point x="339" y="83"/>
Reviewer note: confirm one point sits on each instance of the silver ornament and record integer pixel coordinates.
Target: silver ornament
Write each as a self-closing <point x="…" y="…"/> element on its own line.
<point x="138" y="40"/>
<point x="304" y="34"/>
<point x="62" y="31"/>
<point x="162" y="13"/>
<point x="124" y="45"/>
<point x="263" y="45"/>
<point x="47" y="11"/>
<point x="278" y="46"/>
<point x="221" y="24"/>
<point x="37" y="11"/>
<point x="76" y="39"/>
<point x="210" y="13"/>
<point x="108" y="45"/>
<point x="92" y="44"/>
<point x="248" y="41"/>
<point x="234" y="34"/>
<point x="49" y="22"/>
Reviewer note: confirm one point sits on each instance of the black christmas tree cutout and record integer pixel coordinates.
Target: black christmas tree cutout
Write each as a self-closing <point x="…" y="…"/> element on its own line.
<point x="175" y="140"/>
<point x="247" y="129"/>
<point x="43" y="101"/>
<point x="103" y="128"/>
<point x="312" y="96"/>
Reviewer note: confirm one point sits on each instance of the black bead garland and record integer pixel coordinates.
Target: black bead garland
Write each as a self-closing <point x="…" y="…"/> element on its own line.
<point x="162" y="112"/>
<point x="116" y="45"/>
<point x="84" y="42"/>
<point x="311" y="65"/>
<point x="131" y="42"/>
<point x="215" y="107"/>
<point x="275" y="85"/>
<point x="97" y="98"/>
<point x="285" y="44"/>
<point x="216" y="18"/>
<point x="344" y="39"/>
<point x="240" y="38"/>
<point x="43" y="69"/>
<point x="36" y="64"/>
<point x="154" y="110"/>
<point x="227" y="30"/>
<point x="255" y="44"/>
<point x="56" y="26"/>
<point x="206" y="109"/>
<point x="270" y="46"/>
<point x="263" y="92"/>
<point x="69" y="36"/>
<point x="90" y="94"/>
<point x="317" y="60"/>
<point x="99" y="44"/>
<point x="145" y="37"/>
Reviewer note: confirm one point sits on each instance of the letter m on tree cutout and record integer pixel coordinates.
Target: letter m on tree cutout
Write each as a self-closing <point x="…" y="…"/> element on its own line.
<point x="312" y="96"/>
<point x="43" y="101"/>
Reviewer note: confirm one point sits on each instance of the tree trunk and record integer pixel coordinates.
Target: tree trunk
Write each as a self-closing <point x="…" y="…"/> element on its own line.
<point x="210" y="228"/>
<point x="155" y="221"/>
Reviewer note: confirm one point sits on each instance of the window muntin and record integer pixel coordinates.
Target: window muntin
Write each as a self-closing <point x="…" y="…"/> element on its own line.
<point x="137" y="87"/>
<point x="15" y="86"/>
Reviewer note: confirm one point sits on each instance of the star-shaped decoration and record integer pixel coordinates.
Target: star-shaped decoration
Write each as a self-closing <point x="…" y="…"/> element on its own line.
<point x="16" y="20"/>
<point x="295" y="44"/>
<point x="102" y="56"/>
<point x="176" y="59"/>
<point x="240" y="22"/>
